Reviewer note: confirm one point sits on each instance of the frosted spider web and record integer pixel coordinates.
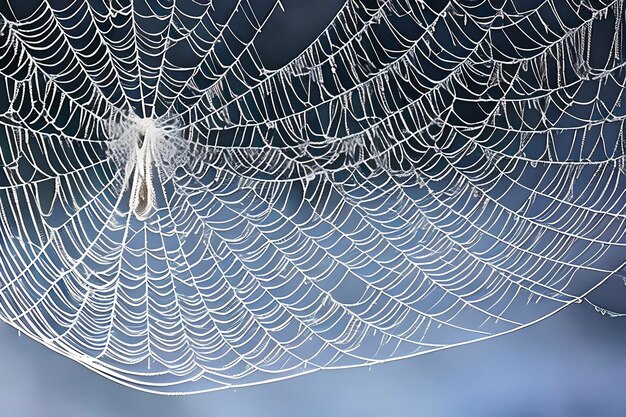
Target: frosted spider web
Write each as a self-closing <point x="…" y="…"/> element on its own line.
<point x="181" y="217"/>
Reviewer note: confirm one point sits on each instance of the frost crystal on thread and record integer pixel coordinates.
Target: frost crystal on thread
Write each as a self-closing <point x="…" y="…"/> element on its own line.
<point x="179" y="216"/>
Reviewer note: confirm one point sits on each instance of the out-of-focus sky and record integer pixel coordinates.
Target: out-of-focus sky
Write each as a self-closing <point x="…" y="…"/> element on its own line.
<point x="570" y="365"/>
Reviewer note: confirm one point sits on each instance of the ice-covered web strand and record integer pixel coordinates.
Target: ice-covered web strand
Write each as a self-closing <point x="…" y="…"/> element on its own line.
<point x="179" y="217"/>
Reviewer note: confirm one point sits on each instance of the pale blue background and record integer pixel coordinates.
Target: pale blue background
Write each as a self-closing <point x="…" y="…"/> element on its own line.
<point x="573" y="364"/>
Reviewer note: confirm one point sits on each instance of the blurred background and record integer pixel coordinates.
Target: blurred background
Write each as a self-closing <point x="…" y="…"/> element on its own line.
<point x="570" y="365"/>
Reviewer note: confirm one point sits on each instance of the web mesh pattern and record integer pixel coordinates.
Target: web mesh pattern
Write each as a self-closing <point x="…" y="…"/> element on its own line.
<point x="422" y="175"/>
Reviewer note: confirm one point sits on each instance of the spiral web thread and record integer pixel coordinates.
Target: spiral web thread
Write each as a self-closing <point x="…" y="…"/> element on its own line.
<point x="422" y="175"/>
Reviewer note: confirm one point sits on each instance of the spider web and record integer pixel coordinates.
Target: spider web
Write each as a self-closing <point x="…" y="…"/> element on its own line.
<point x="422" y="175"/>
